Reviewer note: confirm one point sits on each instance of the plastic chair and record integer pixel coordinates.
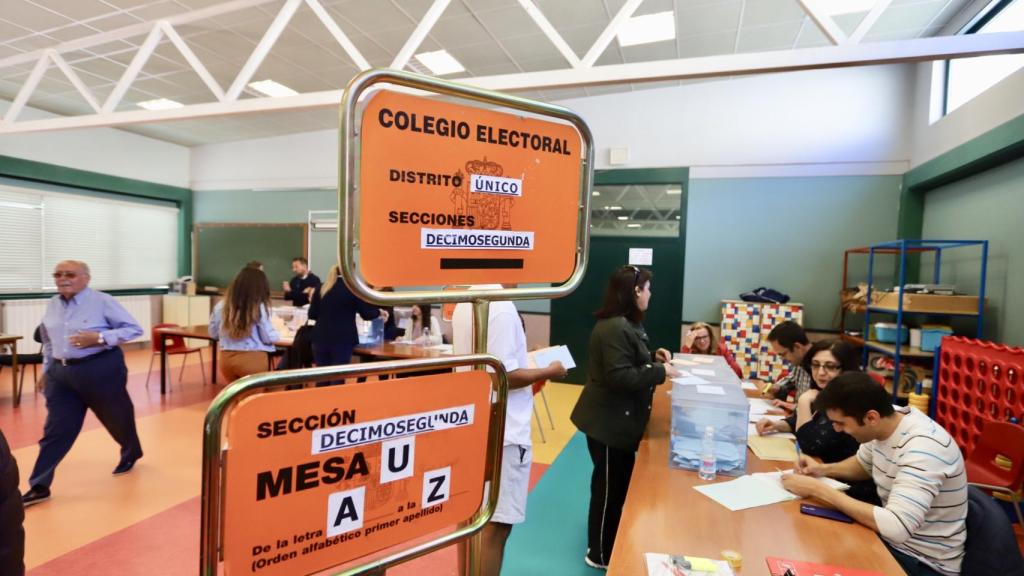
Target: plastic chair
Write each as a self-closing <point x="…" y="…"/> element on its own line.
<point x="176" y="347"/>
<point x="24" y="361"/>
<point x="999" y="439"/>
<point x="538" y="388"/>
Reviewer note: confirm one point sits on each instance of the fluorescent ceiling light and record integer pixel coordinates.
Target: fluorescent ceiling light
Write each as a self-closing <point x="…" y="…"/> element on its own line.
<point x="440" y="62"/>
<point x="595" y="193"/>
<point x="632" y="225"/>
<point x="838" y="7"/>
<point x="160" y="104"/>
<point x="613" y="207"/>
<point x="623" y="217"/>
<point x="674" y="191"/>
<point x="648" y="29"/>
<point x="273" y="89"/>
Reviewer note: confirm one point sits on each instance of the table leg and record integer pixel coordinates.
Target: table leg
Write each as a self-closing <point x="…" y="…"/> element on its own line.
<point x="14" y="374"/>
<point x="213" y="376"/>
<point x="163" y="365"/>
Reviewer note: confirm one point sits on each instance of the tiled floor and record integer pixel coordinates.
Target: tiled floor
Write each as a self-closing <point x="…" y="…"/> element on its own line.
<point x="147" y="522"/>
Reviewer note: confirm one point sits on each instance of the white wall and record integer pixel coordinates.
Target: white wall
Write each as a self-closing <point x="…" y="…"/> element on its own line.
<point x="818" y="123"/>
<point x="104" y="150"/>
<point x="997" y="105"/>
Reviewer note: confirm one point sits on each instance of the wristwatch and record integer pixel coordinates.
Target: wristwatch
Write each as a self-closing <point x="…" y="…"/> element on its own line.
<point x="99" y="339"/>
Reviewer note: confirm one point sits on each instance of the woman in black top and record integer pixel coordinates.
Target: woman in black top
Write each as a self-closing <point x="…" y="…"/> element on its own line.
<point x="825" y="360"/>
<point x="334" y="308"/>
<point x="615" y="404"/>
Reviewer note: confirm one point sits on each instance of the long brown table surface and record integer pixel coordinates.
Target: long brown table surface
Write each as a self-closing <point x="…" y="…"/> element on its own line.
<point x="663" y="513"/>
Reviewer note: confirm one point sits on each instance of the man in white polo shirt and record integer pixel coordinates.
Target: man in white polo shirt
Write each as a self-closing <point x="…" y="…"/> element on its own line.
<point x="506" y="339"/>
<point x="916" y="466"/>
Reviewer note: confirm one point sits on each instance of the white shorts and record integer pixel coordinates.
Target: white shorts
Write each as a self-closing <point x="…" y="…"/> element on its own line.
<point x="516" y="461"/>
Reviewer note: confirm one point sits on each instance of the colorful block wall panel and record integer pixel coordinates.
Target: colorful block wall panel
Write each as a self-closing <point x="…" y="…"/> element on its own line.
<point x="978" y="381"/>
<point x="745" y="327"/>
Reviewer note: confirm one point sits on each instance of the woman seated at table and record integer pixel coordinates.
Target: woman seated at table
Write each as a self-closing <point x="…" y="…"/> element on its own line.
<point x="241" y="324"/>
<point x="417" y="322"/>
<point x="825" y="360"/>
<point x="701" y="340"/>
<point x="334" y="307"/>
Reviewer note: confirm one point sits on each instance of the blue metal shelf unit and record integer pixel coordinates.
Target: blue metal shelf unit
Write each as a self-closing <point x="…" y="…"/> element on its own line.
<point x="901" y="248"/>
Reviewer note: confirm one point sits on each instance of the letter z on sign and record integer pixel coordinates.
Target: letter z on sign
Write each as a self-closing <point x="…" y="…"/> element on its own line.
<point x="495" y="185"/>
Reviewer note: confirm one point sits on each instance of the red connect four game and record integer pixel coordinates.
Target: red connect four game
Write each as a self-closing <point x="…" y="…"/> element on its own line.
<point x="979" y="381"/>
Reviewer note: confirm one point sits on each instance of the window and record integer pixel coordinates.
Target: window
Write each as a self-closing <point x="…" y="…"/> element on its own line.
<point x="126" y="244"/>
<point x="969" y="77"/>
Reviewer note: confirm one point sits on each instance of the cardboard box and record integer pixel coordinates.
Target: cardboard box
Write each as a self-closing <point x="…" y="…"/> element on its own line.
<point x="933" y="303"/>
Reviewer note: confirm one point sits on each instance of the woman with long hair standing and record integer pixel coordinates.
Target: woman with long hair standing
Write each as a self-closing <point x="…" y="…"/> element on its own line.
<point x="241" y="324"/>
<point x="615" y="405"/>
<point x="334" y="309"/>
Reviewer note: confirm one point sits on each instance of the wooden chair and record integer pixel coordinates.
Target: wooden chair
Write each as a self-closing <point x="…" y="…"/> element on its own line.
<point x="176" y="347"/>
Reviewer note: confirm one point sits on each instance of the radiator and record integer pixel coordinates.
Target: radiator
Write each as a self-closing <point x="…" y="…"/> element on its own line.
<point x="20" y="317"/>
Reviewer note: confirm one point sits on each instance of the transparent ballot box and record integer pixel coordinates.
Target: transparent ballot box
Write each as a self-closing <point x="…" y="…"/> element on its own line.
<point x="724" y="407"/>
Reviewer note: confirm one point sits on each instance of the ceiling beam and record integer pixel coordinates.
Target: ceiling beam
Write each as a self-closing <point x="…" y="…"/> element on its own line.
<point x="339" y="34"/>
<point x="262" y="49"/>
<point x="420" y="33"/>
<point x="869" y="20"/>
<point x="135" y="30"/>
<point x="824" y="22"/>
<point x="76" y="81"/>
<point x="545" y="26"/>
<point x="192" y="60"/>
<point x="602" y="42"/>
<point x="134" y="67"/>
<point x="28" y="87"/>
<point x="917" y="50"/>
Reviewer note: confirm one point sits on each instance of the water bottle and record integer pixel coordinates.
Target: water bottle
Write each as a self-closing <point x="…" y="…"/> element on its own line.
<point x="708" y="464"/>
<point x="426" y="336"/>
<point x="377" y="330"/>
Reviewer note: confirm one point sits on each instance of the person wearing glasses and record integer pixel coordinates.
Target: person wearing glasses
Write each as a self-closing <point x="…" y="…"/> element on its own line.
<point x="84" y="369"/>
<point x="825" y="360"/>
<point x="701" y="340"/>
<point x="615" y="404"/>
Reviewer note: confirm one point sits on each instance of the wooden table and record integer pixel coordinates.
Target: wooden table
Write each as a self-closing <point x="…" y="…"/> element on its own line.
<point x="664" y="514"/>
<point x="12" y="341"/>
<point x="397" y="351"/>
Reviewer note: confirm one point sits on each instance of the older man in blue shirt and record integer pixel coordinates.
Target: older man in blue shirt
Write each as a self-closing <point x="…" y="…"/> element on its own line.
<point x="84" y="369"/>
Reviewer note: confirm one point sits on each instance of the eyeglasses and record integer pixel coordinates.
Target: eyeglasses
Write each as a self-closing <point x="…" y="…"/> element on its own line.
<point x="61" y="274"/>
<point x="636" y="274"/>
<point x="703" y="338"/>
<point x="827" y="366"/>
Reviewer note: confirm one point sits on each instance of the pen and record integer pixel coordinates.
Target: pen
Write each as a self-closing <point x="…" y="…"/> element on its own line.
<point x="767" y="387"/>
<point x="799" y="468"/>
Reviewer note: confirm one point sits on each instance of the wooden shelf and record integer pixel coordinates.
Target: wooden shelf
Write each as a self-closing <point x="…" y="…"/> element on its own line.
<point x="905" y="350"/>
<point x="849" y="338"/>
<point x="911" y="310"/>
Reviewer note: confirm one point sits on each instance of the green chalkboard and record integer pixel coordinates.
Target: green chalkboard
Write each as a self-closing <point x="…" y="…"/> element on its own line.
<point x="221" y="250"/>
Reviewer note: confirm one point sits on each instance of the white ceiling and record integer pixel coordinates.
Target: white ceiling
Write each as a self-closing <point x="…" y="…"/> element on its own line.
<point x="487" y="36"/>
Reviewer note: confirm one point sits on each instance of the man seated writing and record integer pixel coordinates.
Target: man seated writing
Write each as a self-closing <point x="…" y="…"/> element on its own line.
<point x="915" y="464"/>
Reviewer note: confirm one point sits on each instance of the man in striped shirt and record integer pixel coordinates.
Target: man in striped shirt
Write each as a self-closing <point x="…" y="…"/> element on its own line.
<point x="916" y="466"/>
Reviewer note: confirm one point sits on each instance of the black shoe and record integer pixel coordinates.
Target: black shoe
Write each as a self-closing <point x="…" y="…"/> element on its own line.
<point x="593" y="563"/>
<point x="125" y="466"/>
<point x="36" y="495"/>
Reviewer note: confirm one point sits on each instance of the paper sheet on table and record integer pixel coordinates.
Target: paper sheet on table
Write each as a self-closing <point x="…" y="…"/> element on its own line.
<point x="748" y="385"/>
<point x="745" y="492"/>
<point x="447" y="348"/>
<point x="776" y="478"/>
<point x="545" y="356"/>
<point x="772" y="417"/>
<point x="659" y="565"/>
<point x="716" y="390"/>
<point x="770" y="448"/>
<point x="760" y="406"/>
<point x="703" y="372"/>
<point x="752" y="432"/>
<point x="690" y="380"/>
<point x="683" y="362"/>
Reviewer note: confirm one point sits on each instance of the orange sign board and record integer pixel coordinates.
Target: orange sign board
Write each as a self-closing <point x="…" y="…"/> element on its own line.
<point x="456" y="194"/>
<point x="320" y="477"/>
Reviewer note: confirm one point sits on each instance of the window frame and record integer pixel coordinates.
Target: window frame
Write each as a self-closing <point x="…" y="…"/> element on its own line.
<point x="973" y="27"/>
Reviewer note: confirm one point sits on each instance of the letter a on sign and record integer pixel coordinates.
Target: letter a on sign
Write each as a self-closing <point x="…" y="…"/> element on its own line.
<point x="437" y="486"/>
<point x="345" y="511"/>
<point x="397" y="458"/>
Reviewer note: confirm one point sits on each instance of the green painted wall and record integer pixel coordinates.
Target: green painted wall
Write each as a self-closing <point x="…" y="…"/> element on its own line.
<point x="785" y="233"/>
<point x="987" y="206"/>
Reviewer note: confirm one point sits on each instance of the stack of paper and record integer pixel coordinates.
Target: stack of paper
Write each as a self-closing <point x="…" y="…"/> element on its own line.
<point x="755" y="490"/>
<point x="687" y="452"/>
<point x="684" y="380"/>
<point x="747" y="385"/>
<point x="772" y="448"/>
<point x="661" y="565"/>
<point x="752" y="432"/>
<point x="760" y="406"/>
